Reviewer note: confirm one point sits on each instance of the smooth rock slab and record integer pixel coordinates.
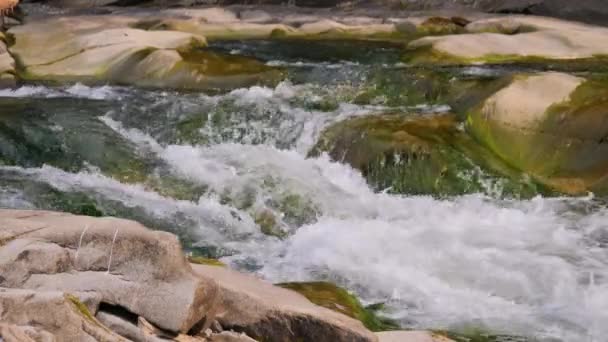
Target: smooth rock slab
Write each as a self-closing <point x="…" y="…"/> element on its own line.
<point x="514" y="38"/>
<point x="123" y="262"/>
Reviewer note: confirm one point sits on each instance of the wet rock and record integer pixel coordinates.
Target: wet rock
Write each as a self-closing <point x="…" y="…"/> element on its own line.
<point x="550" y="125"/>
<point x="98" y="49"/>
<point x="127" y="265"/>
<point x="513" y="39"/>
<point x="269" y="313"/>
<point x="47" y="316"/>
<point x="338" y="299"/>
<point x="413" y="154"/>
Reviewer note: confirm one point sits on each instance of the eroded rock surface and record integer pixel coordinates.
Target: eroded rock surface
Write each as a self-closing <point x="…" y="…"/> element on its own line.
<point x="126" y="264"/>
<point x="112" y="280"/>
<point x="269" y="313"/>
<point x="7" y="65"/>
<point x="100" y="49"/>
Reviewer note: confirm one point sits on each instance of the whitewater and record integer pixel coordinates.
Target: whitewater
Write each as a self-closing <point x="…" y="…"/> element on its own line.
<point x="536" y="267"/>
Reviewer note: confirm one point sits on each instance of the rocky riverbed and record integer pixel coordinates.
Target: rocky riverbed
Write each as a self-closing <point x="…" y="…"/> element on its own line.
<point x="399" y="173"/>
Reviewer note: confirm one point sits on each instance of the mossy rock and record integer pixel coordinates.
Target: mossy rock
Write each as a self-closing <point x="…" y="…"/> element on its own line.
<point x="82" y="309"/>
<point x="480" y="335"/>
<point x="420" y="155"/>
<point x="551" y="126"/>
<point x="205" y="261"/>
<point x="441" y="26"/>
<point x="335" y="298"/>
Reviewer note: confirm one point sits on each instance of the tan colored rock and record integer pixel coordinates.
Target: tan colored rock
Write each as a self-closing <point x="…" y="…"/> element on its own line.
<point x="222" y="23"/>
<point x="14" y="333"/>
<point x="87" y="54"/>
<point x="212" y="15"/>
<point x="123" y="262"/>
<point x="550" y="125"/>
<point x="524" y="103"/>
<point x="411" y="336"/>
<point x="534" y="37"/>
<point x="83" y="49"/>
<point x="266" y="312"/>
<point x="49" y="316"/>
<point x="255" y="16"/>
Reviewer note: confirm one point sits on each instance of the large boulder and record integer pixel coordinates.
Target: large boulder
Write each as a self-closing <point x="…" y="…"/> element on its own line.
<point x="513" y="39"/>
<point x="335" y="298"/>
<point x="269" y="313"/>
<point x="551" y="125"/>
<point x="100" y="49"/>
<point x="131" y="268"/>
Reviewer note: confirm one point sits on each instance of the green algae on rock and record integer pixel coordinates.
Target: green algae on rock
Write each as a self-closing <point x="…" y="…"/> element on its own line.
<point x="513" y="39"/>
<point x="550" y="125"/>
<point x="335" y="298"/>
<point x="199" y="260"/>
<point x="420" y="155"/>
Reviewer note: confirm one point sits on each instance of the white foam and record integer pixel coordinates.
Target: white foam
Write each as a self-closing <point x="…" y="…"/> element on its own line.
<point x="77" y="90"/>
<point x="531" y="267"/>
<point x="215" y="221"/>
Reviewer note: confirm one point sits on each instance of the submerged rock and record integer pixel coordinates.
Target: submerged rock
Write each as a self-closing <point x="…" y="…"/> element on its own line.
<point x="513" y="39"/>
<point x="551" y="125"/>
<point x="99" y="49"/>
<point x="419" y="155"/>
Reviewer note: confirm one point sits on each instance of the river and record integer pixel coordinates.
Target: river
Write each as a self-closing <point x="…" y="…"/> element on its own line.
<point x="204" y="165"/>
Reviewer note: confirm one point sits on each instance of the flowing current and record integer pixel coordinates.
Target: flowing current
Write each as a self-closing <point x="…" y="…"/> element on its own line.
<point x="206" y="166"/>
